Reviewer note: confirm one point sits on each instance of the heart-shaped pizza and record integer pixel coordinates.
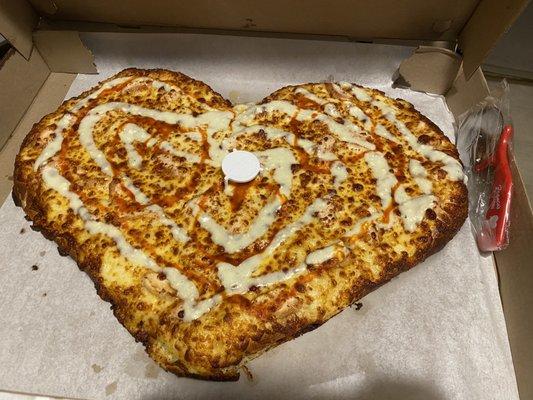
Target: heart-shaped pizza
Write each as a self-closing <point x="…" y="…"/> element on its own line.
<point x="353" y="188"/>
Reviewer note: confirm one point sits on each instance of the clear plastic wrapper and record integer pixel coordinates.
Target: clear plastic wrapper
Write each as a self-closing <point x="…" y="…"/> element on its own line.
<point x="484" y="140"/>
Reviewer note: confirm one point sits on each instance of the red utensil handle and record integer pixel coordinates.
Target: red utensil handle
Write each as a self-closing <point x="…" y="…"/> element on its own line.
<point x="502" y="189"/>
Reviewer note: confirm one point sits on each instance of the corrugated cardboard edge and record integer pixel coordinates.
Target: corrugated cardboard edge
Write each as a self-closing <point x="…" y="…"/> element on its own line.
<point x="429" y="69"/>
<point x="515" y="271"/>
<point x="20" y="80"/>
<point x="63" y="51"/>
<point x="17" y="21"/>
<point x="490" y="20"/>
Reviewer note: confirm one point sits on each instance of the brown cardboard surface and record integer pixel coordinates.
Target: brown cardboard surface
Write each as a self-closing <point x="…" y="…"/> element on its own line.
<point x="429" y="69"/>
<point x="515" y="269"/>
<point x="465" y="93"/>
<point x="63" y="51"/>
<point x="48" y="98"/>
<point x="415" y="19"/>
<point x="20" y="80"/>
<point x="17" y="20"/>
<point x="489" y="21"/>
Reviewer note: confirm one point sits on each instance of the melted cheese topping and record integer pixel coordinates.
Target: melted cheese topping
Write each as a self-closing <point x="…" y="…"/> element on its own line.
<point x="213" y="133"/>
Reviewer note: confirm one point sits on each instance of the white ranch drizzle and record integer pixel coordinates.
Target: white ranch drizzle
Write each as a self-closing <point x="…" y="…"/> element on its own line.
<point x="384" y="132"/>
<point x="311" y="96"/>
<point x="320" y="256"/>
<point x="358" y="226"/>
<point x="274" y="133"/>
<point x="130" y="134"/>
<point x="381" y="172"/>
<point x="54" y="145"/>
<point x="332" y="110"/>
<point x="452" y="167"/>
<point x="192" y="309"/>
<point x="196" y="136"/>
<point x="412" y="209"/>
<point x="339" y="172"/>
<point x="419" y="174"/>
<point x="158" y="85"/>
<point x="215" y="121"/>
<point x="238" y="279"/>
<point x="279" y="160"/>
<point x="234" y="242"/>
<point x="151" y="142"/>
<point x="359" y="93"/>
<point x="356" y="112"/>
<point x="344" y="132"/>
<point x="314" y="258"/>
<point x="140" y="197"/>
<point x="107" y="85"/>
<point x="177" y="233"/>
<point x="192" y="158"/>
<point x="67" y="120"/>
<point x="134" y="133"/>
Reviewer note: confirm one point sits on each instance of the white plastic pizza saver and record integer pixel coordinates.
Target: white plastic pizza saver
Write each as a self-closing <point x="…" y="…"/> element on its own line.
<point x="240" y="166"/>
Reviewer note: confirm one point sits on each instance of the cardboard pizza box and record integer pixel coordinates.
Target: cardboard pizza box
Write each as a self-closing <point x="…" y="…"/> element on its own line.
<point x="455" y="38"/>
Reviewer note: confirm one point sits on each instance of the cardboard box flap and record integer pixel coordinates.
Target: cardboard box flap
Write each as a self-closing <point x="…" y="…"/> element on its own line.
<point x="490" y="20"/>
<point x="435" y="20"/>
<point x="17" y="21"/>
<point x="20" y="80"/>
<point x="64" y="51"/>
<point x="429" y="69"/>
<point x="464" y="93"/>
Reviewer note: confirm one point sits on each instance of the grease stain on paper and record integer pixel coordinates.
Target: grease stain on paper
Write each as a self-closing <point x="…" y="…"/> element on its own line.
<point x="97" y="368"/>
<point x="111" y="388"/>
<point x="151" y="371"/>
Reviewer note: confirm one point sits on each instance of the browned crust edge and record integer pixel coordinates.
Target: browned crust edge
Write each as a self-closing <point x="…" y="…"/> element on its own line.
<point x="456" y="211"/>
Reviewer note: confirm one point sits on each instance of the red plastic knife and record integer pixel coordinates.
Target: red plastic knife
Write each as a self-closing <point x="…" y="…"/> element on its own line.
<point x="494" y="234"/>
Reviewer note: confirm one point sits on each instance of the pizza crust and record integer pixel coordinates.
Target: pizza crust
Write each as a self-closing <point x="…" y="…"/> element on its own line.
<point x="242" y="326"/>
